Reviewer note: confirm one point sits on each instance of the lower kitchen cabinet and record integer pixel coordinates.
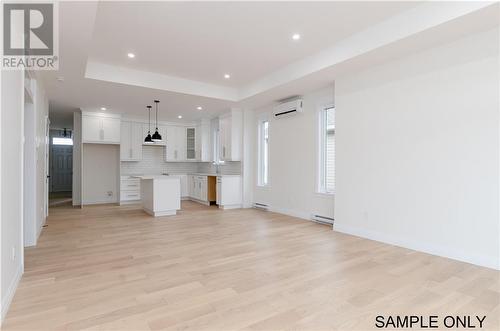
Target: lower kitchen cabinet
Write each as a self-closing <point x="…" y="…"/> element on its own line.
<point x="184" y="186"/>
<point x="130" y="189"/>
<point x="229" y="192"/>
<point x="198" y="188"/>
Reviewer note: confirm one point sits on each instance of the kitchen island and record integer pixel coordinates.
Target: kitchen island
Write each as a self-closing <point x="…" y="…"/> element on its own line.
<point x="160" y="195"/>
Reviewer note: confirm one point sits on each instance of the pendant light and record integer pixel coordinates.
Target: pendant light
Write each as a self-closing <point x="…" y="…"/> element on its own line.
<point x="147" y="140"/>
<point x="156" y="136"/>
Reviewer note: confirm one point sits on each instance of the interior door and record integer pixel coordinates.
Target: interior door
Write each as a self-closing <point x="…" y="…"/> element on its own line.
<point x="62" y="168"/>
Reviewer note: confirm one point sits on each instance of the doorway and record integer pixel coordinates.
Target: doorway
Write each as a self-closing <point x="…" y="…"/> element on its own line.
<point x="61" y="166"/>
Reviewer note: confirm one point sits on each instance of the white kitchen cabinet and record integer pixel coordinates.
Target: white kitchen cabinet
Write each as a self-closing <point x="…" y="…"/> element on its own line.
<point x="184" y="186"/>
<point x="190" y="184"/>
<point x="203" y="141"/>
<point x="130" y="189"/>
<point x="176" y="144"/>
<point x="198" y="188"/>
<point x="230" y="135"/>
<point x="191" y="145"/>
<point x="99" y="128"/>
<point x="131" y="141"/>
<point x="162" y="130"/>
<point x="229" y="192"/>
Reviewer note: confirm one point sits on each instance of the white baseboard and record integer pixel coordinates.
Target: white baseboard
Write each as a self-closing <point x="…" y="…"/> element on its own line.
<point x="9" y="295"/>
<point x="99" y="202"/>
<point x="483" y="261"/>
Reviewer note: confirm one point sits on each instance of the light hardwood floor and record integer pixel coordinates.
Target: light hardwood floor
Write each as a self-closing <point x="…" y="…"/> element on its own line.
<point x="116" y="268"/>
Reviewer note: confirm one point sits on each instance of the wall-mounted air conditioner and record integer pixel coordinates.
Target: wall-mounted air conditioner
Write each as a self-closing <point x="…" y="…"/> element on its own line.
<point x="288" y="108"/>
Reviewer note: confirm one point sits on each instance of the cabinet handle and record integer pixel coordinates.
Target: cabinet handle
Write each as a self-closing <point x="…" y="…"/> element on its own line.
<point x="101" y="134"/>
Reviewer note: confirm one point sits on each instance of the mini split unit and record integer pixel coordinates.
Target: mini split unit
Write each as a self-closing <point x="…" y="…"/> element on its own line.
<point x="287" y="108"/>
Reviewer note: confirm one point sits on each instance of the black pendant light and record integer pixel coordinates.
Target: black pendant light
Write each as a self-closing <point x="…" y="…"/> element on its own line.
<point x="148" y="140"/>
<point x="156" y="136"/>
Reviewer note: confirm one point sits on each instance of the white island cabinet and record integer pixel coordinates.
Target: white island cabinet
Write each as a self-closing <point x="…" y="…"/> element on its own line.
<point x="160" y="195"/>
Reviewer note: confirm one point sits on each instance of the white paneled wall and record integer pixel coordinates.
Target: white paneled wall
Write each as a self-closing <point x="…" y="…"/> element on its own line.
<point x="153" y="162"/>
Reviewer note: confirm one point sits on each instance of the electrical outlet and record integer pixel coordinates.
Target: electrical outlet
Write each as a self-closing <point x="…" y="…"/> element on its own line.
<point x="110" y="193"/>
<point x="13" y="254"/>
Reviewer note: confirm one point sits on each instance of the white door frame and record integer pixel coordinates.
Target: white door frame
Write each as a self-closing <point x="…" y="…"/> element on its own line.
<point x="46" y="166"/>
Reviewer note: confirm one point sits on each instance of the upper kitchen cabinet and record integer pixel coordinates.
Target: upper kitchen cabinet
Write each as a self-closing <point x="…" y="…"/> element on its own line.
<point x="162" y="130"/>
<point x="176" y="144"/>
<point x="230" y="135"/>
<point x="99" y="128"/>
<point x="131" y="141"/>
<point x="191" y="144"/>
<point x="203" y="135"/>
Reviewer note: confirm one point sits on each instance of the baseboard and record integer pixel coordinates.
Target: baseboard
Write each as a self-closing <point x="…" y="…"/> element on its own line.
<point x="9" y="295"/>
<point x="88" y="203"/>
<point x="483" y="261"/>
<point x="237" y="206"/>
<point x="206" y="203"/>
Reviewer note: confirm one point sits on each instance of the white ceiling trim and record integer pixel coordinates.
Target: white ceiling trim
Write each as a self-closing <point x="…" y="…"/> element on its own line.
<point x="401" y="26"/>
<point x="406" y="24"/>
<point x="121" y="75"/>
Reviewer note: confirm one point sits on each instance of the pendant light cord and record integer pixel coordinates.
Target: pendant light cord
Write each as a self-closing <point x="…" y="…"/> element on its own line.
<point x="149" y="119"/>
<point x="157" y="102"/>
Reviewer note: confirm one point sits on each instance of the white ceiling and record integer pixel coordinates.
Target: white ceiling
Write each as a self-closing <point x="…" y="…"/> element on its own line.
<point x="203" y="40"/>
<point x="183" y="49"/>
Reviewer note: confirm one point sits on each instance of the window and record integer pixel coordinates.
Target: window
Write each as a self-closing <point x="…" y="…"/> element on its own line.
<point x="263" y="153"/>
<point x="327" y="151"/>
<point x="62" y="141"/>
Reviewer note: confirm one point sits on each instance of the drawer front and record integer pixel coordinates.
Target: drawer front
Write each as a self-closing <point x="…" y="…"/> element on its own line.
<point x="130" y="185"/>
<point x="130" y="196"/>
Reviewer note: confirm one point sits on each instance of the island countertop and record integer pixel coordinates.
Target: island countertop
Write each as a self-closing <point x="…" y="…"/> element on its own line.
<point x="160" y="177"/>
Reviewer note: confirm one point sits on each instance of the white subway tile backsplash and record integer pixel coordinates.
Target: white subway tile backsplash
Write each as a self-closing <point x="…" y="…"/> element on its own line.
<point x="153" y="162"/>
<point x="228" y="168"/>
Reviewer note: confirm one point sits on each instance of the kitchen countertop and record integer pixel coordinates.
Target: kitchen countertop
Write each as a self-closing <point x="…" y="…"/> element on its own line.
<point x="154" y="177"/>
<point x="216" y="175"/>
<point x="175" y="175"/>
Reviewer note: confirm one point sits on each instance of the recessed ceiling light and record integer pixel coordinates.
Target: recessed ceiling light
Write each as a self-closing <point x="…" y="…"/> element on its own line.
<point x="131" y="55"/>
<point x="227" y="76"/>
<point x="296" y="36"/>
<point x="179" y="116"/>
<point x="103" y="108"/>
<point x="199" y="108"/>
<point x="60" y="79"/>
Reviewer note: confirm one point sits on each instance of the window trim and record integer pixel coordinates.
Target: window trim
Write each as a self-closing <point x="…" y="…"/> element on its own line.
<point x="321" y="151"/>
<point x="260" y="171"/>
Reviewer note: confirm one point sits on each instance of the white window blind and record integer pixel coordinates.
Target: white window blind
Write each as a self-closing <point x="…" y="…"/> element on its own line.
<point x="327" y="151"/>
<point x="263" y="167"/>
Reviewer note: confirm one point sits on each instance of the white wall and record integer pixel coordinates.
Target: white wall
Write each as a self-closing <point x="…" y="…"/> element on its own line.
<point x="29" y="174"/>
<point x="100" y="173"/>
<point x="13" y="200"/>
<point x="418" y="151"/>
<point x="41" y="144"/>
<point x="11" y="224"/>
<point x="293" y="161"/>
<point x="77" y="159"/>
